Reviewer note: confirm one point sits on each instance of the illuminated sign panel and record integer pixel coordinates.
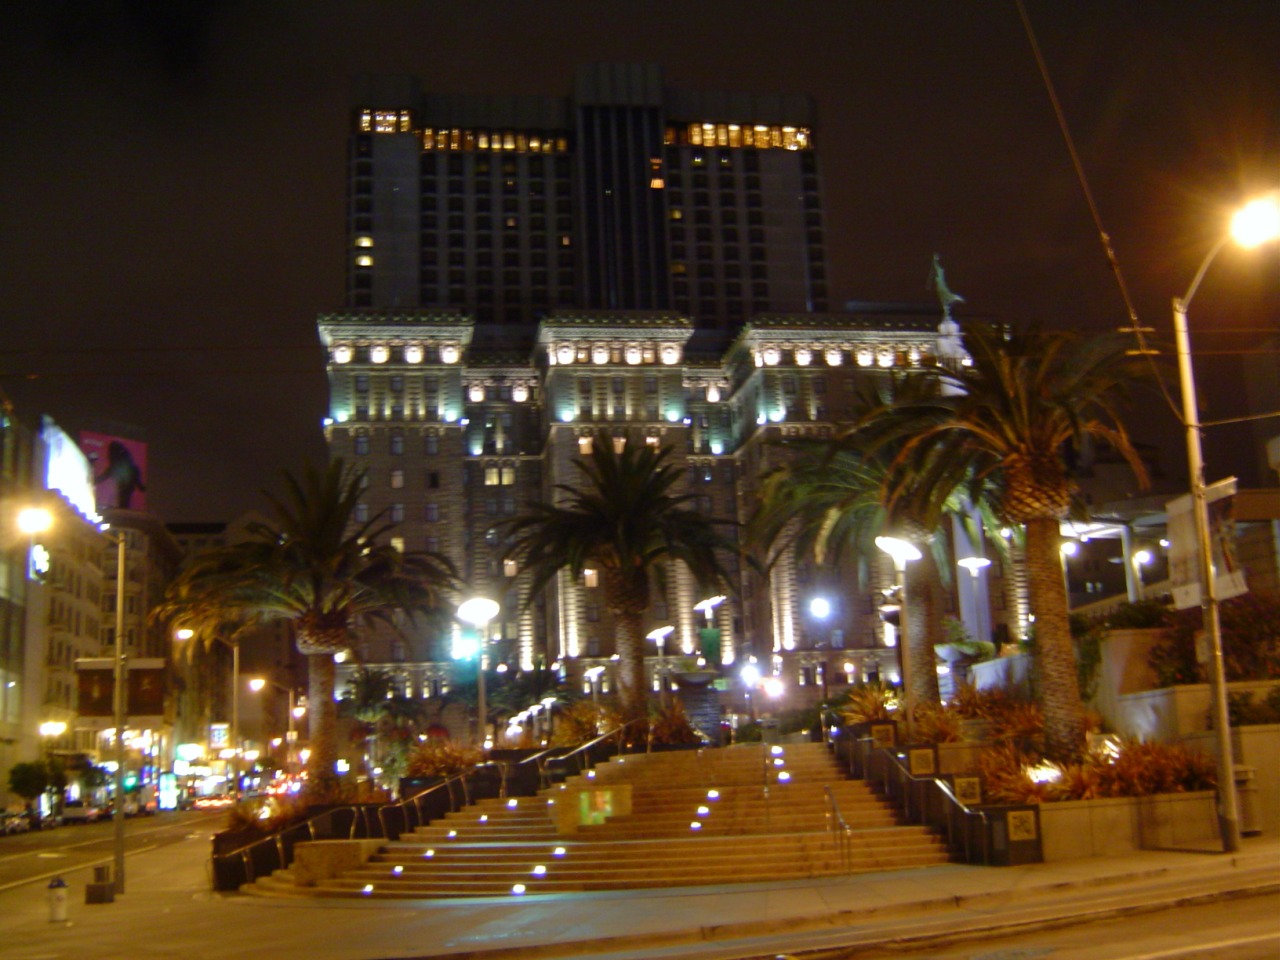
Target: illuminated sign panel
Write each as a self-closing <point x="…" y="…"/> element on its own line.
<point x="68" y="470"/>
<point x="119" y="470"/>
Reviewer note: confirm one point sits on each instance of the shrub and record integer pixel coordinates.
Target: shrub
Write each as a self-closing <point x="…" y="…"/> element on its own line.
<point x="441" y="758"/>
<point x="1141" y="615"/>
<point x="1244" y="711"/>
<point x="1250" y="642"/>
<point x="869" y="702"/>
<point x="668" y="724"/>
<point x="583" y="721"/>
<point x="934" y="723"/>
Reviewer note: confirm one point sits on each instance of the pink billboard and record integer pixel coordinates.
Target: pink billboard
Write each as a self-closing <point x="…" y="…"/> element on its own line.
<point x="119" y="471"/>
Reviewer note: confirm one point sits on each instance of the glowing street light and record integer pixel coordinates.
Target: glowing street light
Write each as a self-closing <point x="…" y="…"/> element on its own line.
<point x="479" y="611"/>
<point x="1256" y="223"/>
<point x="902" y="552"/>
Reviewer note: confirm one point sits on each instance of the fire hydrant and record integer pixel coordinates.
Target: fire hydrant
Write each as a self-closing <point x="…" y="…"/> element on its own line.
<point x="57" y="900"/>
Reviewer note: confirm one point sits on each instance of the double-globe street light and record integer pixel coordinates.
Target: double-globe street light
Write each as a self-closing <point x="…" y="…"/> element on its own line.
<point x="1256" y="223"/>
<point x="257" y="685"/>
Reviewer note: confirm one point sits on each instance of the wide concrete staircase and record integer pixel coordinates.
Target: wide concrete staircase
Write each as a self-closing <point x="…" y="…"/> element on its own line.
<point x="716" y="816"/>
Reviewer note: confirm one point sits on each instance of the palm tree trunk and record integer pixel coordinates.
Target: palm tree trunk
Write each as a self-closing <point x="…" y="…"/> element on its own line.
<point x="322" y="713"/>
<point x="1064" y="719"/>
<point x="922" y="631"/>
<point x="632" y="696"/>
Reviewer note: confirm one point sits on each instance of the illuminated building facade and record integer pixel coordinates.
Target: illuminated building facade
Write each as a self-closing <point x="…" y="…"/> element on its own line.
<point x="624" y="195"/>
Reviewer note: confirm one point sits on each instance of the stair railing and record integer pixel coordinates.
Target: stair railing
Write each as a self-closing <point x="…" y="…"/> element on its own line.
<point x="931" y="802"/>
<point x="841" y="832"/>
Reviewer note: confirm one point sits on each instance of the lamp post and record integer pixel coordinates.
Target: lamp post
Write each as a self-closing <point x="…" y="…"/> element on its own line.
<point x="478" y="611"/>
<point x="120" y="711"/>
<point x="902" y="552"/>
<point x="709" y="635"/>
<point x="659" y="636"/>
<point x="1256" y="223"/>
<point x="51" y="730"/>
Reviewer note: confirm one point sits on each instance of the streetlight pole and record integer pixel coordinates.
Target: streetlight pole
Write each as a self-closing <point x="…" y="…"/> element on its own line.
<point x="1256" y="223"/>
<point x="478" y="611"/>
<point x="121" y="711"/>
<point x="902" y="552"/>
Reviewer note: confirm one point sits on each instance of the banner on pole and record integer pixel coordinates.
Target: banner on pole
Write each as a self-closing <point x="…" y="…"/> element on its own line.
<point x="1184" y="546"/>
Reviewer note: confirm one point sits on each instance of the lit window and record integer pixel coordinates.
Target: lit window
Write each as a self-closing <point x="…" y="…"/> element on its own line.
<point x="509" y="568"/>
<point x="364" y="261"/>
<point x="508" y="476"/>
<point x="342" y="354"/>
<point x="476" y="394"/>
<point x="584" y="446"/>
<point x="619" y="444"/>
<point x="651" y="441"/>
<point x="397" y="479"/>
<point x="364" y="241"/>
<point x="413" y="354"/>
<point x="492" y="477"/>
<point x="379" y="354"/>
<point x="397" y="544"/>
<point x="590" y="578"/>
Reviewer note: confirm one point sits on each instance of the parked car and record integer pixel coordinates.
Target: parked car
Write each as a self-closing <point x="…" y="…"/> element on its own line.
<point x="11" y="822"/>
<point x="78" y="811"/>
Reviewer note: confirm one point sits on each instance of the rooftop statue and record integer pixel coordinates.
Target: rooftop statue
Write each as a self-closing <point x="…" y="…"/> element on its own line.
<point x="950" y="346"/>
<point x="938" y="281"/>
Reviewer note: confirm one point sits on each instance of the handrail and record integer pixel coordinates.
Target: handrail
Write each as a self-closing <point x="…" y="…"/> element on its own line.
<point x="954" y="807"/>
<point x="358" y="812"/>
<point x="837" y="822"/>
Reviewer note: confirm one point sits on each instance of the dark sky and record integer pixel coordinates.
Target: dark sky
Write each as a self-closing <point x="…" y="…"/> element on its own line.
<point x="173" y="183"/>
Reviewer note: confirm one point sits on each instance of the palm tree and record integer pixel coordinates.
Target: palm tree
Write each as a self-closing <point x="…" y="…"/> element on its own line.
<point x="625" y="521"/>
<point x="1008" y="417"/>
<point x="827" y="501"/>
<point x="317" y="567"/>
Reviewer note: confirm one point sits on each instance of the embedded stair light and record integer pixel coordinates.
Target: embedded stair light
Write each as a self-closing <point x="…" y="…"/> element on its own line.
<point x="776" y="751"/>
<point x="452" y="833"/>
<point x="397" y="870"/>
<point x="695" y="825"/>
<point x="779" y="762"/>
<point x="428" y="855"/>
<point x="783" y="777"/>
<point x="558" y="852"/>
<point x="368" y="889"/>
<point x="539" y="871"/>
<point x="512" y="804"/>
<point x="518" y="890"/>
<point x="703" y="811"/>
<point x="484" y="818"/>
<point x="713" y="794"/>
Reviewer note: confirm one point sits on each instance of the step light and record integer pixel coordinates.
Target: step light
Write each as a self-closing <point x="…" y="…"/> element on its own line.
<point x="539" y="871"/>
<point x="783" y="777"/>
<point x="713" y="794"/>
<point x="368" y="889"/>
<point x="696" y="825"/>
<point x="512" y="803"/>
<point x="397" y="870"/>
<point x="776" y="751"/>
<point x="518" y="890"/>
<point x="703" y="811"/>
<point x="484" y="818"/>
<point x="428" y="855"/>
<point x="558" y="852"/>
<point x="452" y="834"/>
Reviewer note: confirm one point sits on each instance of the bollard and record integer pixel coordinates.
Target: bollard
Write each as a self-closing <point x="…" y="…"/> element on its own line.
<point x="57" y="900"/>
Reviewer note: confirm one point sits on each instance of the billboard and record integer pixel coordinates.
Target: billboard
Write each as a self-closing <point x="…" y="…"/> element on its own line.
<point x="145" y="689"/>
<point x="119" y="471"/>
<point x="67" y="471"/>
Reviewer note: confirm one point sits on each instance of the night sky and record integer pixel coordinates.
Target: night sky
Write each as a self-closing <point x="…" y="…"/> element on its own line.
<point x="174" y="182"/>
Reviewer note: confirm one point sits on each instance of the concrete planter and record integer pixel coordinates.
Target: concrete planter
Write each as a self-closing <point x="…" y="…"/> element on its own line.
<point x="1095" y="828"/>
<point x="1012" y="673"/>
<point x="1124" y="668"/>
<point x="1172" y="713"/>
<point x="1253" y="748"/>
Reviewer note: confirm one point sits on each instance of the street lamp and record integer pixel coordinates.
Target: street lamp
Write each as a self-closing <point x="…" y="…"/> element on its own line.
<point x="659" y="636"/>
<point x="51" y="730"/>
<point x="478" y="611"/>
<point x="119" y="692"/>
<point x="902" y="552"/>
<point x="1256" y="223"/>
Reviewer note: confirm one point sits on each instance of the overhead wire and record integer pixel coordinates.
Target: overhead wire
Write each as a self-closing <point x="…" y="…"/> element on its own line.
<point x="1135" y="327"/>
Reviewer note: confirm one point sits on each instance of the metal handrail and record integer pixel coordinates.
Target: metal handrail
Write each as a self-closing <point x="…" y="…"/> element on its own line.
<point x="840" y="830"/>
<point x="954" y="807"/>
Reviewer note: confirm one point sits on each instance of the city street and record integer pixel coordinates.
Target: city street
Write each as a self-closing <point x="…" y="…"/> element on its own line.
<point x="40" y="855"/>
<point x="1232" y="929"/>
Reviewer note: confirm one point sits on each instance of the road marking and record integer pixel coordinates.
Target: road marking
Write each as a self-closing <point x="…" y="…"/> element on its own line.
<point x="81" y="866"/>
<point x="51" y="856"/>
<point x="1187" y="951"/>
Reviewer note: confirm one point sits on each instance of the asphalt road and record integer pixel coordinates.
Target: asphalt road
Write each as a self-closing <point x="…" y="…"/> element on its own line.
<point x="42" y="854"/>
<point x="1246" y="928"/>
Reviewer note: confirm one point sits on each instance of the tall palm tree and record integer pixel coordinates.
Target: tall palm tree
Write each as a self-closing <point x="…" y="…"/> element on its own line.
<point x="1008" y="417"/>
<point x="624" y="520"/>
<point x="327" y="574"/>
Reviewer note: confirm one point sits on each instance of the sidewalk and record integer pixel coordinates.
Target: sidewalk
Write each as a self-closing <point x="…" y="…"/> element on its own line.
<point x="169" y="911"/>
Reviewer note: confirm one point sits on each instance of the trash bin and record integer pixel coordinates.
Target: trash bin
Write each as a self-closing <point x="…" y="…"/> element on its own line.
<point x="101" y="890"/>
<point x="1247" y="800"/>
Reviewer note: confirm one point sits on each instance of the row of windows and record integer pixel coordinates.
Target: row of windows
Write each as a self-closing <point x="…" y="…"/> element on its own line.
<point x="484" y="190"/>
<point x="736" y="135"/>
<point x="485" y="241"/>
<point x="456" y="256"/>
<point x="518" y="141"/>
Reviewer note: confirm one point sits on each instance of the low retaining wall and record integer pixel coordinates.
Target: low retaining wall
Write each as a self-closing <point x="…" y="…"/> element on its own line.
<point x="1072" y="829"/>
<point x="322" y="860"/>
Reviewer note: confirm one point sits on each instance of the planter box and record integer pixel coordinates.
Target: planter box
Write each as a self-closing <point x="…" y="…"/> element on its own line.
<point x="1172" y="713"/>
<point x="1095" y="828"/>
<point x="959" y="757"/>
<point x="1124" y="668"/>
